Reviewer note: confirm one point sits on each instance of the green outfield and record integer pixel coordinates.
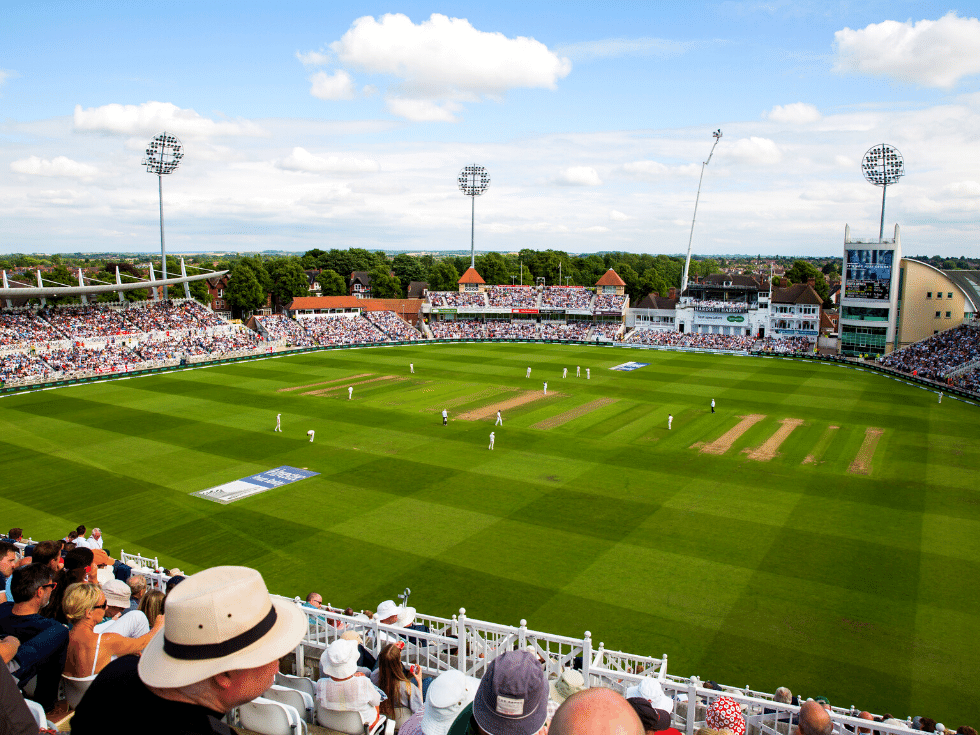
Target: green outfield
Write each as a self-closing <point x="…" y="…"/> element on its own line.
<point x="820" y="531"/>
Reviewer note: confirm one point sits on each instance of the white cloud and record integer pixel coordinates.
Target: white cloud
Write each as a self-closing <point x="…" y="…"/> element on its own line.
<point x="313" y="58"/>
<point x="596" y="229"/>
<point x="336" y="86"/>
<point x="423" y="110"/>
<point x="655" y="169"/>
<point x="154" y="117"/>
<point x="442" y="60"/>
<point x="754" y="151"/>
<point x="6" y="74"/>
<point x="617" y="216"/>
<point x="932" y="53"/>
<point x="578" y="176"/>
<point x="608" y="48"/>
<point x="59" y="166"/>
<point x="797" y="113"/>
<point x="302" y="160"/>
<point x="970" y="189"/>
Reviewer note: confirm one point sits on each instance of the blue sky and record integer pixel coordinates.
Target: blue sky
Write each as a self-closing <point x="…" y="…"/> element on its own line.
<point x="337" y="125"/>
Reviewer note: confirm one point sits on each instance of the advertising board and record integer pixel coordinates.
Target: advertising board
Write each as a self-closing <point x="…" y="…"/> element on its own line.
<point x="868" y="274"/>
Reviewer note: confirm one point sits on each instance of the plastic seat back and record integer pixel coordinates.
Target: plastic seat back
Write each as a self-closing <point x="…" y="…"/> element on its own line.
<point x="301" y="701"/>
<point x="75" y="688"/>
<point x="299" y="683"/>
<point x="264" y="716"/>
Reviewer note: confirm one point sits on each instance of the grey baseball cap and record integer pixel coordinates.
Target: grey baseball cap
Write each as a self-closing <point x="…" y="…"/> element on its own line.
<point x="512" y="698"/>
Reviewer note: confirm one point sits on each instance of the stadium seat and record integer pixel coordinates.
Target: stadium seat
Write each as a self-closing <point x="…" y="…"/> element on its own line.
<point x="75" y="688"/>
<point x="301" y="701"/>
<point x="300" y="683"/>
<point x="350" y="723"/>
<point x="271" y="718"/>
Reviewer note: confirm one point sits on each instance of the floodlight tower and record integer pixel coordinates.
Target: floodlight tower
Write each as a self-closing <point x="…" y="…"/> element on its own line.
<point x="883" y="166"/>
<point x="163" y="155"/>
<point x="690" y="240"/>
<point x="473" y="181"/>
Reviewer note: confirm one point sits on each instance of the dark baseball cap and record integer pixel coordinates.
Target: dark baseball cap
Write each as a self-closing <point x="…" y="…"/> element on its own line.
<point x="512" y="698"/>
<point x="652" y="719"/>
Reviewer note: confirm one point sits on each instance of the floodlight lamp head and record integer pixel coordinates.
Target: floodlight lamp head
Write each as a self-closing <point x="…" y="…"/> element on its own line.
<point x="473" y="180"/>
<point x="883" y="165"/>
<point x="717" y="133"/>
<point x="163" y="154"/>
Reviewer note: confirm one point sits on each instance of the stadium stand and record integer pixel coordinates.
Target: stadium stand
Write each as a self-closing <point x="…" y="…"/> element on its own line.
<point x="279" y="328"/>
<point x="785" y="345"/>
<point x="342" y="329"/>
<point x="690" y="340"/>
<point x="457" y="299"/>
<point x="438" y="644"/>
<point x="937" y="356"/>
<point x="573" y="297"/>
<point x="393" y="326"/>
<point x="512" y="297"/>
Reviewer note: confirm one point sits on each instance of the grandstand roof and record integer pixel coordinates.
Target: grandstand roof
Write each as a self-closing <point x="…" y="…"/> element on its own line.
<point x="798" y="293"/>
<point x="399" y="306"/>
<point x="719" y="279"/>
<point x="655" y="301"/>
<point x="610" y="278"/>
<point x="471" y="276"/>
<point x="969" y="283"/>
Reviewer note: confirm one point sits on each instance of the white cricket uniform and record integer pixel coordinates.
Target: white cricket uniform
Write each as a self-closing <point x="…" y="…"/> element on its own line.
<point x="546" y="389"/>
<point x="940" y="397"/>
<point x="588" y="373"/>
<point x="564" y="373"/>
<point x="310" y="434"/>
<point x="670" y="420"/>
<point x="350" y="392"/>
<point x="491" y="440"/>
<point x="500" y="421"/>
<point x="528" y="373"/>
<point x="411" y="367"/>
<point x="578" y="371"/>
<point x="278" y="422"/>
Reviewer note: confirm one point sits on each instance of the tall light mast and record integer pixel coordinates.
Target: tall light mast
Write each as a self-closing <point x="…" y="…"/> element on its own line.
<point x="690" y="240"/>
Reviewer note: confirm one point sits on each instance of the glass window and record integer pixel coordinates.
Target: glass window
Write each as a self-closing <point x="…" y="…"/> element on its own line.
<point x="949" y="295"/>
<point x="937" y="314"/>
<point x="928" y="294"/>
<point x="949" y="314"/>
<point x="939" y="294"/>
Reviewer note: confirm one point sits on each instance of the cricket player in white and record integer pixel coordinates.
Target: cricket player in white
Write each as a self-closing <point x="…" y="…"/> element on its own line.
<point x="546" y="389"/>
<point x="350" y="392"/>
<point x="278" y="420"/>
<point x="411" y="367"/>
<point x="712" y="405"/>
<point x="588" y="373"/>
<point x="445" y="417"/>
<point x="564" y="372"/>
<point x="310" y="434"/>
<point x="500" y="421"/>
<point x="940" y="396"/>
<point x="670" y="420"/>
<point x="491" y="440"/>
<point x="528" y="373"/>
<point x="578" y="371"/>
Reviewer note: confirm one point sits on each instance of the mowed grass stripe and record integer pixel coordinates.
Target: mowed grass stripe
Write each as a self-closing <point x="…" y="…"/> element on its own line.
<point x="571" y="415"/>
<point x="752" y="571"/>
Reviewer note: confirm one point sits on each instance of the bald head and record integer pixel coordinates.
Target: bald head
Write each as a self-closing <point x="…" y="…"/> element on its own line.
<point x="865" y="716"/>
<point x="814" y="719"/>
<point x="596" y="711"/>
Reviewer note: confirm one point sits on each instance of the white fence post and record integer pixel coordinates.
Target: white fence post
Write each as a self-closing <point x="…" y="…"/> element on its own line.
<point x="692" y="704"/>
<point x="522" y="635"/>
<point x="461" y="653"/>
<point x="587" y="656"/>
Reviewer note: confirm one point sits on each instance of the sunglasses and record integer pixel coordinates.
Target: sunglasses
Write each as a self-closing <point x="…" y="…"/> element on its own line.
<point x="103" y="606"/>
<point x="52" y="585"/>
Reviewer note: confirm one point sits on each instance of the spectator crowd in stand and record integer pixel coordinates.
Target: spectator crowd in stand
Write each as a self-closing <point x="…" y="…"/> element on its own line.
<point x="457" y="299"/>
<point x="695" y="340"/>
<point x="572" y="297"/>
<point x="710" y="305"/>
<point x="935" y="357"/>
<point x="789" y="344"/>
<point x="512" y="297"/>
<point x="606" y="302"/>
<point x="396" y="328"/>
<point x="281" y="328"/>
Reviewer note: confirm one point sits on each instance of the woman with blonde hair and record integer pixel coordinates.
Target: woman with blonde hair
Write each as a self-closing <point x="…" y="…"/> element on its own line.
<point x="151" y="605"/>
<point x="88" y="652"/>
<point x="403" y="688"/>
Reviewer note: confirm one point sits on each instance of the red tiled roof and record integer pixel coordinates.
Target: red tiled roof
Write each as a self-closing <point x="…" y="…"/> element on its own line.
<point x="798" y="293"/>
<point x="471" y="276"/>
<point x="399" y="306"/>
<point x="610" y="278"/>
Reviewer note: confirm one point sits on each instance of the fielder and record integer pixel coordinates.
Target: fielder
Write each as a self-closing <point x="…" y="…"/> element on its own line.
<point x="500" y="421"/>
<point x="564" y="372"/>
<point x="278" y="422"/>
<point x="491" y="440"/>
<point x="445" y="417"/>
<point x="310" y="434"/>
<point x="940" y="396"/>
<point x="670" y="420"/>
<point x="528" y="373"/>
<point x="712" y="405"/>
<point x="588" y="373"/>
<point x="350" y="392"/>
<point x="411" y="367"/>
<point x="546" y="388"/>
<point x="578" y="371"/>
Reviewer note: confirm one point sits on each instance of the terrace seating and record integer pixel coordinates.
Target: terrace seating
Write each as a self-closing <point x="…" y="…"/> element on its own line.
<point x="269" y="717"/>
<point x="566" y="297"/>
<point x="393" y="326"/>
<point x="790" y="344"/>
<point x="512" y="297"/>
<point x="690" y="340"/>
<point x="457" y="299"/>
<point x="605" y="302"/>
<point x="938" y="355"/>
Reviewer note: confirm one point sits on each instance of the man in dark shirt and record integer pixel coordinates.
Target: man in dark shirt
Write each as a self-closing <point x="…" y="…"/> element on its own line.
<point x="44" y="642"/>
<point x="219" y="648"/>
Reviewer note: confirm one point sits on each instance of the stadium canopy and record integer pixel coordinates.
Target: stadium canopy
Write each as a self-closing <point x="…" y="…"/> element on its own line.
<point x="33" y="292"/>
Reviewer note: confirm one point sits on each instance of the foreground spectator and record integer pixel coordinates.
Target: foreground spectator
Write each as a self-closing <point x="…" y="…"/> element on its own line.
<point x="151" y="605"/>
<point x="219" y="648"/>
<point x="137" y="588"/>
<point x="90" y="651"/>
<point x="814" y="719"/>
<point x="653" y="720"/>
<point x="119" y="618"/>
<point x="725" y="714"/>
<point x="342" y="688"/>
<point x="512" y="698"/>
<point x="596" y="711"/>
<point x="47" y="639"/>
<point x="404" y="690"/>
<point x="8" y="560"/>
<point x="15" y="717"/>
<point x="448" y="694"/>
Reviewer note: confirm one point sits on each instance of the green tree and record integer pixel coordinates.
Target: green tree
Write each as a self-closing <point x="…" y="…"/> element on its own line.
<point x="493" y="268"/>
<point x="244" y="291"/>
<point x="443" y="276"/>
<point x="331" y="283"/>
<point x="384" y="285"/>
<point x="802" y="271"/>
<point x="407" y="269"/>
<point x="288" y="279"/>
<point x="311" y="258"/>
<point x="633" y="286"/>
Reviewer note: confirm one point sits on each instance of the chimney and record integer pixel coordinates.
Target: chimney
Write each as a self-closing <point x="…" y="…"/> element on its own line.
<point x="812" y="281"/>
<point x="672" y="294"/>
